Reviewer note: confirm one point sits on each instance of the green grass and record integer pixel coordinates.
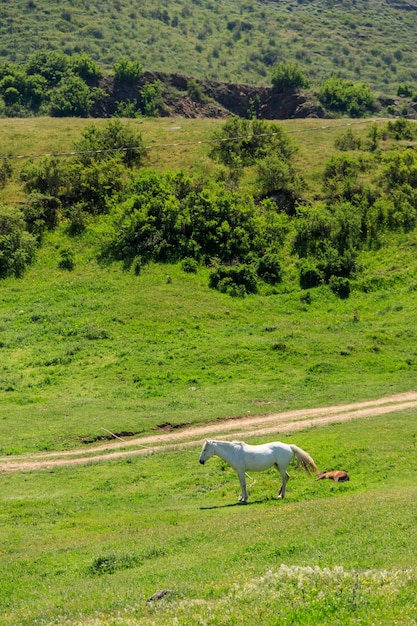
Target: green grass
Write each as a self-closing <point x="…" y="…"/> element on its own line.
<point x="100" y="348"/>
<point x="372" y="42"/>
<point x="90" y="545"/>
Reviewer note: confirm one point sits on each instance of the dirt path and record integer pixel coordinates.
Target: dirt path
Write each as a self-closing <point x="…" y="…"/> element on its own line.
<point x="288" y="421"/>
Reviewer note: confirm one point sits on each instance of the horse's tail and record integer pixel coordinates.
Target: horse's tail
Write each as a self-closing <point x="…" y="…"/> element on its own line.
<point x="304" y="460"/>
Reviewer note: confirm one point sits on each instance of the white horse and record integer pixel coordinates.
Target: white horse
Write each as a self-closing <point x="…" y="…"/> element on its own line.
<point x="246" y="458"/>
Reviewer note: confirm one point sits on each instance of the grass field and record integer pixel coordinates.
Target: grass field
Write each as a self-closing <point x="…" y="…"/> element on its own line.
<point x="100" y="349"/>
<point x="91" y="545"/>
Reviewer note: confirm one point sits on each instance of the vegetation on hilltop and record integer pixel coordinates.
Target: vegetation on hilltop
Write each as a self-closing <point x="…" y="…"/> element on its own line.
<point x="371" y="42"/>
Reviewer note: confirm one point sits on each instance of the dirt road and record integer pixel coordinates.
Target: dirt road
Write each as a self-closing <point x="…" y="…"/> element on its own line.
<point x="236" y="428"/>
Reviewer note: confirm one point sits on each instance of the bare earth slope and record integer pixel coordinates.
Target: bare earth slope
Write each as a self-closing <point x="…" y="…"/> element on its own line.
<point x="276" y="423"/>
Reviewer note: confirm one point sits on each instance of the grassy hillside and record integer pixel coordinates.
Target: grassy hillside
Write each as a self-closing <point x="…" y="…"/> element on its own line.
<point x="101" y="348"/>
<point x="369" y="41"/>
<point x="98" y="348"/>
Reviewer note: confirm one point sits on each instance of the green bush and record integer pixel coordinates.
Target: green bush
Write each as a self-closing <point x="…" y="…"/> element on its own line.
<point x="244" y="142"/>
<point x="102" y="142"/>
<point x="71" y="98"/>
<point x="236" y="280"/>
<point x="288" y="75"/>
<point x="66" y="261"/>
<point x="17" y="246"/>
<point x="344" y="96"/>
<point x="170" y="217"/>
<point x="41" y="212"/>
<point x="189" y="265"/>
<point x="340" y="286"/>
<point x="269" y="268"/>
<point x="310" y="275"/>
<point x="128" y="71"/>
<point x="83" y="66"/>
<point x="150" y="98"/>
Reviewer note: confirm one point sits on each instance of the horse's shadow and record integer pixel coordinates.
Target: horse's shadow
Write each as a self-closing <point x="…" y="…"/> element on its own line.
<point x="227" y="506"/>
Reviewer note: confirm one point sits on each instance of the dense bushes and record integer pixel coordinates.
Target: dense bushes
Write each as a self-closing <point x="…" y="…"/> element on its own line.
<point x="252" y="243"/>
<point x="345" y="96"/>
<point x="94" y="175"/>
<point x="170" y="217"/>
<point x="50" y="83"/>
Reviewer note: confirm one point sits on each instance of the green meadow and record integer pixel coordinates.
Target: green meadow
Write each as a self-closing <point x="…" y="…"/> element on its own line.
<point x="91" y="545"/>
<point x="100" y="349"/>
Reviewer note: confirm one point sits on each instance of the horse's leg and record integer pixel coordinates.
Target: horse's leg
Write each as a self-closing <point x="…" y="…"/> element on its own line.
<point x="242" y="480"/>
<point x="285" y="478"/>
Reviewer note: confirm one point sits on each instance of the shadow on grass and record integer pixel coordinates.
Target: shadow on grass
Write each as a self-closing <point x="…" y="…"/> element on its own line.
<point x="232" y="504"/>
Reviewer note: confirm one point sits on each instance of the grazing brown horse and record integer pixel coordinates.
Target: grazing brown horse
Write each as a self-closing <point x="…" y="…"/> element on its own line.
<point x="339" y="476"/>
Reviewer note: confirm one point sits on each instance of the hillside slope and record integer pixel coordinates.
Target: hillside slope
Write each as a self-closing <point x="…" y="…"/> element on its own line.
<point x="372" y="41"/>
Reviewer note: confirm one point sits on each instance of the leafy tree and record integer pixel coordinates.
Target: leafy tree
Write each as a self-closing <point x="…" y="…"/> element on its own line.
<point x="288" y="75"/>
<point x="17" y="246"/>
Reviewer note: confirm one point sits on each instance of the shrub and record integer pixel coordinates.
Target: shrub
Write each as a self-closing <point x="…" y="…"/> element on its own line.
<point x="345" y="96"/>
<point x="67" y="259"/>
<point x="189" y="265"/>
<point x="50" y="64"/>
<point x="269" y="268"/>
<point x="150" y="97"/>
<point x="348" y="141"/>
<point x="195" y="91"/>
<point x="100" y="143"/>
<point x="83" y="66"/>
<point x="71" y="98"/>
<point x="340" y="286"/>
<point x="128" y="71"/>
<point x="310" y="275"/>
<point x="236" y="280"/>
<point x="41" y="212"/>
<point x="402" y="129"/>
<point x="288" y="75"/>
<point x="247" y="141"/>
<point x="17" y="246"/>
<point x="5" y="171"/>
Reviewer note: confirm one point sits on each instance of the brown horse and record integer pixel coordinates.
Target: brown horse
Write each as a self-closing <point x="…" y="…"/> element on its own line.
<point x="339" y="476"/>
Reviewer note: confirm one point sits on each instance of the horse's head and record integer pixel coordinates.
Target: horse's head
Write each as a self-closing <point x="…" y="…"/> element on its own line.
<point x="207" y="451"/>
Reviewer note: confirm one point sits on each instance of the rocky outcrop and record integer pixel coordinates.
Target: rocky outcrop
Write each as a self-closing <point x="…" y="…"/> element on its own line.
<point x="208" y="98"/>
